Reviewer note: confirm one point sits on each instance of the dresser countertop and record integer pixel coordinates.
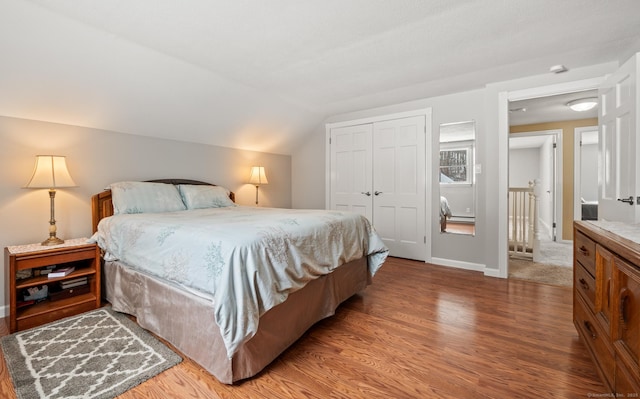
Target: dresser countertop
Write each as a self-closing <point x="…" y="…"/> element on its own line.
<point x="627" y="231"/>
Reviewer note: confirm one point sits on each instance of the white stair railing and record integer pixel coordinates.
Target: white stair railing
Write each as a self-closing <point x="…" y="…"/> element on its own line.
<point x="522" y="220"/>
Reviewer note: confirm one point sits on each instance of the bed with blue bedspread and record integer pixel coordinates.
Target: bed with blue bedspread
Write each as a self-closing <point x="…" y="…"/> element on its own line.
<point x="230" y="286"/>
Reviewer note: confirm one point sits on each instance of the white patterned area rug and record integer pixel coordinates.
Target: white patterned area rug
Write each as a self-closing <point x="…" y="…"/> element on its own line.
<point x="99" y="354"/>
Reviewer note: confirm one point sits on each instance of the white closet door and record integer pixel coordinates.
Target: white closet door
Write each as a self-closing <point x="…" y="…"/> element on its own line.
<point x="619" y="145"/>
<point x="399" y="185"/>
<point x="351" y="169"/>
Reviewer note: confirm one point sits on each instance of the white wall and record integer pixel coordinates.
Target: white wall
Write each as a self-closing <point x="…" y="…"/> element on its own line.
<point x="308" y="172"/>
<point x="589" y="172"/>
<point x="96" y="158"/>
<point x="524" y="166"/>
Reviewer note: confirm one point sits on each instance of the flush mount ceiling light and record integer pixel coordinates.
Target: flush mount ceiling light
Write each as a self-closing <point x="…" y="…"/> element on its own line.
<point x="523" y="109"/>
<point x="558" y="69"/>
<point x="583" y="104"/>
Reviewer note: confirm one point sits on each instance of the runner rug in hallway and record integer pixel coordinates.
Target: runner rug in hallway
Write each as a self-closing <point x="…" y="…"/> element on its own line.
<point x="524" y="269"/>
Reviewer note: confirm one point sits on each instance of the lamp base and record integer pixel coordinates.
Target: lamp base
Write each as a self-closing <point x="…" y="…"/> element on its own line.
<point x="52" y="241"/>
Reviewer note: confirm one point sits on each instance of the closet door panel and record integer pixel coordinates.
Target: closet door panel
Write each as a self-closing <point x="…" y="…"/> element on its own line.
<point x="385" y="222"/>
<point x="351" y="172"/>
<point x="399" y="185"/>
<point x="408" y="224"/>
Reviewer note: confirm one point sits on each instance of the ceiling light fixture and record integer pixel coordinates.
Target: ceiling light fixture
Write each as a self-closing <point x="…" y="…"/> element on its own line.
<point x="583" y="104"/>
<point x="523" y="109"/>
<point x="558" y="69"/>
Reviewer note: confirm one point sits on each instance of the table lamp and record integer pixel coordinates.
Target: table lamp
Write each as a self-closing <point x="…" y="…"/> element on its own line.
<point x="51" y="172"/>
<point x="257" y="178"/>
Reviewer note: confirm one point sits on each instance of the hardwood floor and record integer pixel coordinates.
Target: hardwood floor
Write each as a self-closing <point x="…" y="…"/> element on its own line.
<point x="420" y="331"/>
<point x="461" y="228"/>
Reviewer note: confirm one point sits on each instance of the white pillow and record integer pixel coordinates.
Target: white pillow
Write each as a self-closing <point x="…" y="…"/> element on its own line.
<point x="202" y="196"/>
<point x="145" y="197"/>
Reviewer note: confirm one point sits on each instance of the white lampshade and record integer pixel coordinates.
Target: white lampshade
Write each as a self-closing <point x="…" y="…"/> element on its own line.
<point x="50" y="171"/>
<point x="258" y="176"/>
<point x="583" y="104"/>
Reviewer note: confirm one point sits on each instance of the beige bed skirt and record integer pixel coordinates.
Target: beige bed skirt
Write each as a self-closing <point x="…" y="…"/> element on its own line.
<point x="186" y="320"/>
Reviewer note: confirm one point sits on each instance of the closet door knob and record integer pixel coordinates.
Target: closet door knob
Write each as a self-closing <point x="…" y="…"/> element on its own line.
<point x="378" y="192"/>
<point x="368" y="194"/>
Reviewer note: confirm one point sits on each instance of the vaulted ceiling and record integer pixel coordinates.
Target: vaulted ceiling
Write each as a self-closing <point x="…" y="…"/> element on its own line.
<point x="262" y="74"/>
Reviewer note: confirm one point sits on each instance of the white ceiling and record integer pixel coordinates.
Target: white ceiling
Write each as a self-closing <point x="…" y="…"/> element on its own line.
<point x="262" y="75"/>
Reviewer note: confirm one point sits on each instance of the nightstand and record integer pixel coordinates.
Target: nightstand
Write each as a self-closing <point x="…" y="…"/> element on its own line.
<point x="25" y="268"/>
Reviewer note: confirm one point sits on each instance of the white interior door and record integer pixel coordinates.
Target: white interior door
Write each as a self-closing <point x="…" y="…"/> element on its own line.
<point x="351" y="169"/>
<point x="399" y="185"/>
<point x="619" y="145"/>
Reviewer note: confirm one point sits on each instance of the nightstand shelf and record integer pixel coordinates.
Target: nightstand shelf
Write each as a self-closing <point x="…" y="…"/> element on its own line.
<point x="85" y="258"/>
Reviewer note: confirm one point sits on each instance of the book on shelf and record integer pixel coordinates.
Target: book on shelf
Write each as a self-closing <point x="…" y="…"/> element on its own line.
<point x="61" y="272"/>
<point x="22" y="304"/>
<point x="75" y="280"/>
<point x="73" y="283"/>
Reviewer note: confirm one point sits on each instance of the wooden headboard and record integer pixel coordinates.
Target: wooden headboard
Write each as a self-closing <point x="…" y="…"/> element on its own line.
<point x="102" y="204"/>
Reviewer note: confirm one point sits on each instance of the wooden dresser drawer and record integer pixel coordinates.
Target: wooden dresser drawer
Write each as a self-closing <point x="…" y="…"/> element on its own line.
<point x="626" y="385"/>
<point x="585" y="252"/>
<point x="585" y="284"/>
<point x="595" y="339"/>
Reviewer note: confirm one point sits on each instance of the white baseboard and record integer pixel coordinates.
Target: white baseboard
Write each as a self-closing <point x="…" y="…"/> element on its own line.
<point x="4" y="311"/>
<point x="492" y="273"/>
<point x="477" y="267"/>
<point x="458" y="264"/>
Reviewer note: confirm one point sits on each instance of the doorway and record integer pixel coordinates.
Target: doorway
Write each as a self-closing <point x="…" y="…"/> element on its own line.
<point x="525" y="99"/>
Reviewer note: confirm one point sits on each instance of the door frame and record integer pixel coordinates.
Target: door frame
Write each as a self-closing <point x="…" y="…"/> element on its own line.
<point x="428" y="158"/>
<point x="504" y="97"/>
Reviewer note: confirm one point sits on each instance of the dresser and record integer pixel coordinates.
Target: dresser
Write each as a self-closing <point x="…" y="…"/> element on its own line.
<point x="606" y="300"/>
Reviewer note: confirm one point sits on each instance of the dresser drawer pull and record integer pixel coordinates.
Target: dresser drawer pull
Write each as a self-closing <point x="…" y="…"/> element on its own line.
<point x="584" y="251"/>
<point x="589" y="328"/>
<point x="584" y="284"/>
<point x="624" y="294"/>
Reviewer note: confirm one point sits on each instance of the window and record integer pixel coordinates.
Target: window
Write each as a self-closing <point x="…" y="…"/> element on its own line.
<point x="455" y="165"/>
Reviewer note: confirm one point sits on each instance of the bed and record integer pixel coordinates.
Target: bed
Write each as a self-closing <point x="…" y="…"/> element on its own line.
<point x="445" y="212"/>
<point x="229" y="298"/>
